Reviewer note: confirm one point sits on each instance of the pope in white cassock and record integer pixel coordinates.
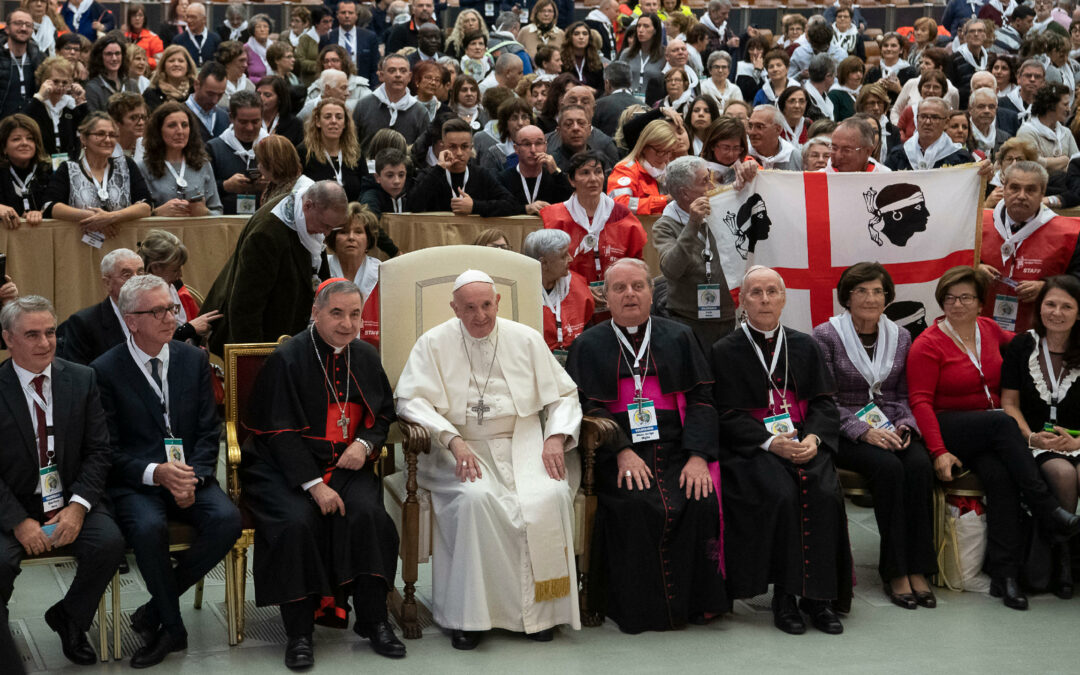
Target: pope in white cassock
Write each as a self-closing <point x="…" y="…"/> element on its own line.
<point x="504" y="419"/>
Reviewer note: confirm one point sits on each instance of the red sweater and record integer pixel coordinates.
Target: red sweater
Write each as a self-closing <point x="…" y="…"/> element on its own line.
<point x="576" y="311"/>
<point x="622" y="237"/>
<point x="941" y="376"/>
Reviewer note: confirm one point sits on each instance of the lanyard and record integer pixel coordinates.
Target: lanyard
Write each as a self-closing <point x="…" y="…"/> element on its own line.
<point x="50" y="450"/>
<point x="21" y="67"/>
<point x="706" y="254"/>
<point x="556" y="309"/>
<point x="160" y="394"/>
<point x="181" y="182"/>
<point x="108" y="85"/>
<point x="273" y="125"/>
<point x="396" y="201"/>
<point x="102" y="186"/>
<point x="1055" y="381"/>
<point x="976" y="358"/>
<point x="581" y="69"/>
<point x="21" y="187"/>
<point x="769" y="369"/>
<point x="337" y="168"/>
<point x="525" y="185"/>
<point x="451" y="183"/>
<point x="635" y="369"/>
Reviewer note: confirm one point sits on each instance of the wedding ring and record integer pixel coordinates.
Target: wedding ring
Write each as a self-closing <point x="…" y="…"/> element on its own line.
<point x="627" y="474"/>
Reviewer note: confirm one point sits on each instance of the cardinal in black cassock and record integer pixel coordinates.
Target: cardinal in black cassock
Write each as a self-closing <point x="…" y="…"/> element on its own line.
<point x="656" y="554"/>
<point x="785" y="522"/>
<point x="312" y="402"/>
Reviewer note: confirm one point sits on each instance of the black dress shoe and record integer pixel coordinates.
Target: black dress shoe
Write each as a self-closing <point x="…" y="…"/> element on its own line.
<point x="1065" y="524"/>
<point x="163" y="644"/>
<point x="1008" y="588"/>
<point x="822" y="616"/>
<point x="143" y="626"/>
<point x="905" y="600"/>
<point x="1063" y="580"/>
<point x="382" y="638"/>
<point x="786" y="615"/>
<point x="465" y="640"/>
<point x="542" y="636"/>
<point x="299" y="653"/>
<point x="76" y="647"/>
<point x="926" y="599"/>
<point x="124" y="568"/>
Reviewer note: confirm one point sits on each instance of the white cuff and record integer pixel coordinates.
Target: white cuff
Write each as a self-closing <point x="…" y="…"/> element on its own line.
<point x="310" y="484"/>
<point x="765" y="446"/>
<point x="148" y="474"/>
<point x="79" y="500"/>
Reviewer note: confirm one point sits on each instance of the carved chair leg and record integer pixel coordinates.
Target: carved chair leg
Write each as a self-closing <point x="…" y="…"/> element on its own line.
<point x="118" y="648"/>
<point x="241" y="591"/>
<point x="230" y="596"/>
<point x="103" y="633"/>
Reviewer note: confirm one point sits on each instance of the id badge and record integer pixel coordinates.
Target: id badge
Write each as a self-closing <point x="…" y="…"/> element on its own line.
<point x="1009" y="281"/>
<point x="489" y="9"/>
<point x="643" y="422"/>
<point x="708" y="301"/>
<point x="600" y="305"/>
<point x="872" y="415"/>
<point x="174" y="450"/>
<point x="245" y="205"/>
<point x="52" y="488"/>
<point x="58" y="159"/>
<point x="1005" y="308"/>
<point x="560" y="356"/>
<point x="779" y="424"/>
<point x="95" y="239"/>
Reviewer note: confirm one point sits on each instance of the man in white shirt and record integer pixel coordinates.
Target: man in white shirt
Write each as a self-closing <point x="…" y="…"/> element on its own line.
<point x="93" y="330"/>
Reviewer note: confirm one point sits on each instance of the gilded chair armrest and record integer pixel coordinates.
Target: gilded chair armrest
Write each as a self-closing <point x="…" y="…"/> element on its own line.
<point x="232" y="464"/>
<point x="595" y="431"/>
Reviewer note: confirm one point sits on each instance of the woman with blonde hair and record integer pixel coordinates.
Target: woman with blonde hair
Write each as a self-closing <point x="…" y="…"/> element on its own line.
<point x="634" y="182"/>
<point x="173" y="79"/>
<point x="347" y="257"/>
<point x="279" y="164"/>
<point x="468" y="20"/>
<point x="330" y="150"/>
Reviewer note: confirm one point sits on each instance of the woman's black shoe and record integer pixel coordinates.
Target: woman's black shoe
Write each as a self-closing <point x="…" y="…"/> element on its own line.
<point x="1008" y="588"/>
<point x="905" y="600"/>
<point x="926" y="599"/>
<point x="1065" y="524"/>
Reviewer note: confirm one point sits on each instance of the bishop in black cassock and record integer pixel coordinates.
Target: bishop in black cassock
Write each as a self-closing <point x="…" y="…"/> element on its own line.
<point x="785" y="522"/>
<point x="656" y="553"/>
<point x="320" y="407"/>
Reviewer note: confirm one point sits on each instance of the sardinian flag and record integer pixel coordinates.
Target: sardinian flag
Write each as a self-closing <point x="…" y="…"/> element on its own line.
<point x="810" y="227"/>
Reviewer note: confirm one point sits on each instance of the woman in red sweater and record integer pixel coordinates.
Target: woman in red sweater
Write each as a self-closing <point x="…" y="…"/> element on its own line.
<point x="954" y="387"/>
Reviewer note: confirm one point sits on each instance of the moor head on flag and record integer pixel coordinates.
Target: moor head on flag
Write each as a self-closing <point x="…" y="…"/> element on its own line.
<point x="750" y="225"/>
<point x="898" y="212"/>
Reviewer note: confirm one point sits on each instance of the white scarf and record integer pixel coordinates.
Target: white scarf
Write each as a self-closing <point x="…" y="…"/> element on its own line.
<point x="432" y="160"/>
<point x="553" y="299"/>
<point x="234" y="33"/>
<point x="656" y="173"/>
<point x="796" y="133"/>
<point x="366" y="276"/>
<point x="403" y="103"/>
<point x="240" y="85"/>
<point x="55" y="110"/>
<point x="822" y="102"/>
<point x="690" y="75"/>
<point x="877" y="371"/>
<point x="747" y="69"/>
<point x="310" y="32"/>
<point x="883" y="149"/>
<point x="1038" y="26"/>
<point x="707" y="21"/>
<point x="1059" y="135"/>
<point x="698" y="145"/>
<point x="258" y="48"/>
<point x="593" y="227"/>
<point x="291" y="212"/>
<point x="781" y="156"/>
<point x="1023" y="108"/>
<point x="45" y="36"/>
<point x="1006" y="12"/>
<point x="922" y="160"/>
<point x="1044" y="216"/>
<point x="772" y="95"/>
<point x="846" y="40"/>
<point x="853" y="93"/>
<point x="889" y="71"/>
<point x="228" y="137"/>
<point x="78" y="12"/>
<point x="677" y="103"/>
<point x="987" y="141"/>
<point x="965" y="52"/>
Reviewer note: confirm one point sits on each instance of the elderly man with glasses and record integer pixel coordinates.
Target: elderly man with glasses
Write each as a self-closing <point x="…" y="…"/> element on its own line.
<point x="929" y="147"/>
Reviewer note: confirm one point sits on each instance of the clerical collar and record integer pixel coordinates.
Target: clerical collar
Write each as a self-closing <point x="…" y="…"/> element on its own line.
<point x="769" y="334"/>
<point x="320" y="343"/>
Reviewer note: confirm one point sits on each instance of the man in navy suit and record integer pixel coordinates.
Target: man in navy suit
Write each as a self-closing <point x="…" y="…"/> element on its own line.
<point x="53" y="466"/>
<point x="203" y="101"/>
<point x="93" y="330"/>
<point x="198" y="39"/>
<point x="165" y="433"/>
<point x="361" y="44"/>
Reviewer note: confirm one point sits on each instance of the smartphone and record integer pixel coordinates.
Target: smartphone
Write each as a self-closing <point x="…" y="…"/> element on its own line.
<point x="254" y="175"/>
<point x="196" y="199"/>
<point x="905" y="435"/>
<point x="3" y="268"/>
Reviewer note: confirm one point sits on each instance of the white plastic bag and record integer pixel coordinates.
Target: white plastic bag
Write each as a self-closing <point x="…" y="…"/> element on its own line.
<point x="963" y="548"/>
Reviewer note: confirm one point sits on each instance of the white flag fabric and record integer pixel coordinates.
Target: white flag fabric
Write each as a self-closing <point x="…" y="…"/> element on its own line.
<point x="810" y="227"/>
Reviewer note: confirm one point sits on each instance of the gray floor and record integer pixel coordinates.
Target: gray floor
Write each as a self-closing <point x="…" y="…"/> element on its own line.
<point x="967" y="633"/>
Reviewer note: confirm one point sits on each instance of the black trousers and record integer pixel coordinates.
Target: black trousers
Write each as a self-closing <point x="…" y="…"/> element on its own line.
<point x="990" y="444"/>
<point x="144" y="518"/>
<point x="369" y="603"/>
<point x="98" y="550"/>
<point x="901" y="483"/>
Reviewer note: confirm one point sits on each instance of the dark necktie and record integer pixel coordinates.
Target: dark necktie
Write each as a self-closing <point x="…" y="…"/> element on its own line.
<point x="155" y="372"/>
<point x="42" y="431"/>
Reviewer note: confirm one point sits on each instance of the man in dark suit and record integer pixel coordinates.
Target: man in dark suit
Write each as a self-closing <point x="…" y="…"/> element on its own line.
<point x="617" y="97"/>
<point x="93" y="330"/>
<point x="203" y="101"/>
<point x="198" y="39"/>
<point x="407" y="34"/>
<point x="361" y="44"/>
<point x="54" y="463"/>
<point x="165" y="433"/>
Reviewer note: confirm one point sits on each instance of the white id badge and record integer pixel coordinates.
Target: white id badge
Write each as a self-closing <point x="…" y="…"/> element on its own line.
<point x="489" y="9"/>
<point x="174" y="450"/>
<point x="245" y="205"/>
<point x="1005" y="308"/>
<point x="779" y="424"/>
<point x="643" y="422"/>
<point x="560" y="356"/>
<point x="872" y="415"/>
<point x="95" y="239"/>
<point x="58" y="159"/>
<point x="52" y="488"/>
<point x="708" y="301"/>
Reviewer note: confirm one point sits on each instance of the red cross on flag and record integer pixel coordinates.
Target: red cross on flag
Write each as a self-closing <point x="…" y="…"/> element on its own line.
<point x="810" y="227"/>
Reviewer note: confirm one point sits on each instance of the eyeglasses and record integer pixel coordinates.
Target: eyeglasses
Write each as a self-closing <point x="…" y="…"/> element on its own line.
<point x="871" y="292"/>
<point x="159" y="313"/>
<point x="21" y="24"/>
<point x="967" y="299"/>
<point x="137" y="118"/>
<point x="720" y="66"/>
<point x="110" y="135"/>
<point x="770" y="293"/>
<point x="845" y="149"/>
<point x="930" y="118"/>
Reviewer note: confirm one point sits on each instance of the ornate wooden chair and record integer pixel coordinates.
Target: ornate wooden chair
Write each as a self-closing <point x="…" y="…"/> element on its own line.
<point x="415" y="291"/>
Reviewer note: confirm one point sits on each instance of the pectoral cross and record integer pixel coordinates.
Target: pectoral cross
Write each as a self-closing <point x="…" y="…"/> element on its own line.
<point x="343" y="422"/>
<point x="785" y="406"/>
<point x="480" y="409"/>
<point x="640" y="401"/>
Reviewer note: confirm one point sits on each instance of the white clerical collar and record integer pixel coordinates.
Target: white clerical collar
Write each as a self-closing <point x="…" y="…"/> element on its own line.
<point x="767" y="333"/>
<point x="26" y="377"/>
<point x="631" y="329"/>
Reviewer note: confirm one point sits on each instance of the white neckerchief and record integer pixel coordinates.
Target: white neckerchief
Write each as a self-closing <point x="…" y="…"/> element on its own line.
<point x="291" y="212"/>
<point x="432" y="160"/>
<point x="403" y="103"/>
<point x="976" y="358"/>
<point x="1023" y="108"/>
<point x="1012" y="242"/>
<point x="553" y="300"/>
<point x="593" y="228"/>
<point x="823" y="102"/>
<point x="78" y="11"/>
<point x="258" y="48"/>
<point x="747" y="69"/>
<point x="294" y="39"/>
<point x="270" y="128"/>
<point x="367" y="275"/>
<point x="142" y="360"/>
<point x="921" y="160"/>
<point x="340" y="165"/>
<point x="707" y="21"/>
<point x="1005" y="11"/>
<point x="1059" y="386"/>
<point x="181" y="182"/>
<point x="234" y="33"/>
<point x="681" y="216"/>
<point x="45" y="36"/>
<point x="985" y="141"/>
<point x="450" y="182"/>
<point x="965" y="52"/>
<point x="690" y="75"/>
<point x="875" y="372"/>
<point x="636" y="369"/>
<point x="883" y="149"/>
<point x="21" y="186"/>
<point x="55" y="110"/>
<point x="654" y="172"/>
<point x="1058" y="135"/>
<point x="208" y="119"/>
<point x="769" y="368"/>
<point x="767" y="88"/>
<point x="782" y="155"/>
<point x="889" y="71"/>
<point x="1036" y="26"/>
<point x="853" y="93"/>
<point x="241" y="85"/>
<point x="797" y="131"/>
<point x="310" y="32"/>
<point x="697" y="144"/>
<point x="529" y="199"/>
<point x="846" y="39"/>
<point x="101" y="186"/>
<point x="228" y="137"/>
